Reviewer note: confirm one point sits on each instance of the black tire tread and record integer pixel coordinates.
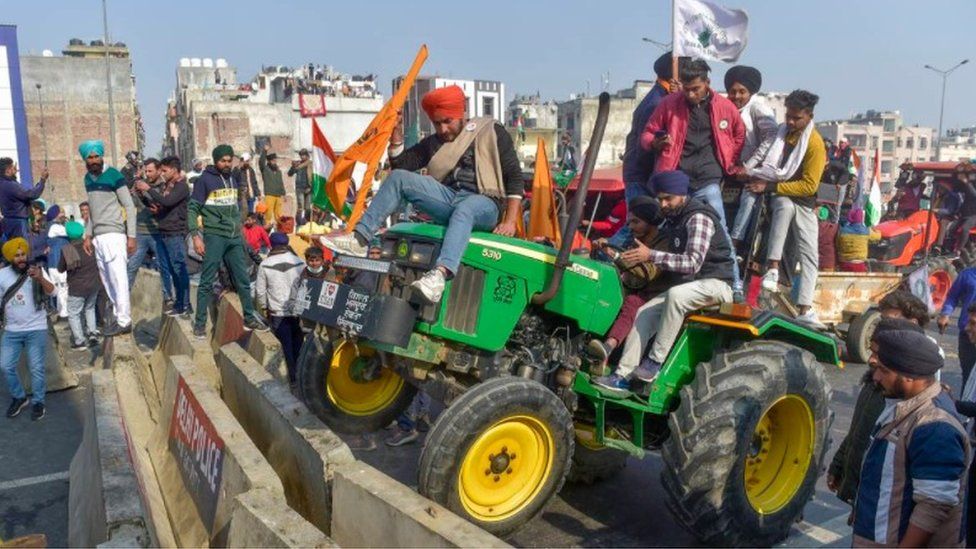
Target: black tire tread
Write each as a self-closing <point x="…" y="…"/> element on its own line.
<point x="481" y="405"/>
<point x="701" y="454"/>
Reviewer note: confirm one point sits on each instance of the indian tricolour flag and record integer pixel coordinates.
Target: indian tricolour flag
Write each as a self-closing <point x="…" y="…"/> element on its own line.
<point x="872" y="209"/>
<point x="323" y="160"/>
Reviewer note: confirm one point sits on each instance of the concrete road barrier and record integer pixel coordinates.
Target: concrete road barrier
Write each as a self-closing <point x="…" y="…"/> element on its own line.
<point x="176" y="338"/>
<point x="300" y="448"/>
<point x="103" y="500"/>
<point x="263" y="346"/>
<point x="398" y="516"/>
<point x="260" y="521"/>
<point x="147" y="301"/>
<point x="203" y="459"/>
<point x="139" y="404"/>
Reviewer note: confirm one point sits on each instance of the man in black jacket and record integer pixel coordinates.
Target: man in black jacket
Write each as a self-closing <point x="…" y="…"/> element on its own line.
<point x="698" y="263"/>
<point x="249" y="184"/>
<point x="473" y="177"/>
<point x="168" y="203"/>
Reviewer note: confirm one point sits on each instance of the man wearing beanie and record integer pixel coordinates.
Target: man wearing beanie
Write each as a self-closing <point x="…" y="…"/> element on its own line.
<point x="700" y="133"/>
<point x="216" y="201"/>
<point x="742" y="83"/>
<point x="793" y="164"/>
<point x="111" y="234"/>
<point x="276" y="277"/>
<point x="698" y="264"/>
<point x="912" y="490"/>
<point x="638" y="163"/>
<point x="473" y="182"/>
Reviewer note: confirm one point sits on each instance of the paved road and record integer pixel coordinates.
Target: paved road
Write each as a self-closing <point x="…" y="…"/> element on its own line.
<point x="629" y="510"/>
<point x="35" y="456"/>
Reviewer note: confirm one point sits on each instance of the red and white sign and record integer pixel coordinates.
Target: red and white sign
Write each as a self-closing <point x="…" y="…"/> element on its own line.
<point x="311" y="105"/>
<point x="198" y="450"/>
<point x="328" y="295"/>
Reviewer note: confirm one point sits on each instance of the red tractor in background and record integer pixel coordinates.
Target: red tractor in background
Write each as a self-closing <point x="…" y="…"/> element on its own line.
<point x="904" y="242"/>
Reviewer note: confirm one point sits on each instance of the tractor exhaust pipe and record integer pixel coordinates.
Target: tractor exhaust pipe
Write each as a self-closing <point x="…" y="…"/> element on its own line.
<point x="576" y="209"/>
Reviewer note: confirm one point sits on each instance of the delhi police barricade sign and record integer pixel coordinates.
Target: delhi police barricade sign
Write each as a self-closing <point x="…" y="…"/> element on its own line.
<point x="198" y="450"/>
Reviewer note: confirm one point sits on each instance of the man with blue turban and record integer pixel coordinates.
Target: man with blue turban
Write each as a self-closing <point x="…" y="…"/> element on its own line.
<point x="111" y="234"/>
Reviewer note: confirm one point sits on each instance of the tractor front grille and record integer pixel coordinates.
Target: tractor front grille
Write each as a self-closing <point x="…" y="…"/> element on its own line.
<point x="464" y="300"/>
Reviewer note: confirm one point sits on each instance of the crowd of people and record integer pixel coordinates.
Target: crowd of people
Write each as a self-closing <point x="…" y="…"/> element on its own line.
<point x="903" y="466"/>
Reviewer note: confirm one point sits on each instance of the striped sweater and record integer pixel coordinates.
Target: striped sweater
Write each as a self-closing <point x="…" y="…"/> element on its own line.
<point x="215" y="200"/>
<point x="112" y="209"/>
<point x="914" y="473"/>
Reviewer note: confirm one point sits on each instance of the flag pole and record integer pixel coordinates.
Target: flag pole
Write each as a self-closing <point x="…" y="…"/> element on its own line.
<point x="674" y="43"/>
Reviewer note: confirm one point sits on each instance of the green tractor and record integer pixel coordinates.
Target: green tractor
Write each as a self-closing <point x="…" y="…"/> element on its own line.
<point x="740" y="411"/>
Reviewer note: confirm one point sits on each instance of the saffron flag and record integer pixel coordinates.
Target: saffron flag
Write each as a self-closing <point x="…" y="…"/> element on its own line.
<point x="543" y="218"/>
<point x="323" y="160"/>
<point x="872" y="210"/>
<point x="358" y="164"/>
<point x="708" y="31"/>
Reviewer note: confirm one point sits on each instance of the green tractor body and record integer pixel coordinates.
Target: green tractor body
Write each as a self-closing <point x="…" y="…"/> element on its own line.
<point x="739" y="411"/>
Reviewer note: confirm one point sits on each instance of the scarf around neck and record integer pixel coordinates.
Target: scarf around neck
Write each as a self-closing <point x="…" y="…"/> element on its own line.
<point x="770" y="170"/>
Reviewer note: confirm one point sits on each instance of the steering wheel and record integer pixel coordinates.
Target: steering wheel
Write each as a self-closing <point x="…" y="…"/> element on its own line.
<point x="633" y="277"/>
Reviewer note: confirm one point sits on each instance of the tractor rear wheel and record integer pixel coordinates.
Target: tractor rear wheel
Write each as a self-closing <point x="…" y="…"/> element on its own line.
<point x="859" y="335"/>
<point x="747" y="443"/>
<point x="341" y="383"/>
<point x="498" y="454"/>
<point x="593" y="462"/>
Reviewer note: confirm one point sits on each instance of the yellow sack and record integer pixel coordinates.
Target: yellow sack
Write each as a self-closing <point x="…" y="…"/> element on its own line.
<point x="852" y="247"/>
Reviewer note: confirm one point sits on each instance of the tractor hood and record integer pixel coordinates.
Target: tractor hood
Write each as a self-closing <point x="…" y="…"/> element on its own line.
<point x="497" y="279"/>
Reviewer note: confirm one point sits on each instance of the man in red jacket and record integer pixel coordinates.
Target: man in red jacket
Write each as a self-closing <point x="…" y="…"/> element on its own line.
<point x="700" y="133"/>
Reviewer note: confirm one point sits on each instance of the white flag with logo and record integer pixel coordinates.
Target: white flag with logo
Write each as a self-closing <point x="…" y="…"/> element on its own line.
<point x="705" y="30"/>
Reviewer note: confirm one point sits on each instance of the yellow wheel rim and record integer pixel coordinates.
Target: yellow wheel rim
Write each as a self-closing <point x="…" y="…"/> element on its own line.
<point x="779" y="454"/>
<point x="505" y="468"/>
<point x="349" y="392"/>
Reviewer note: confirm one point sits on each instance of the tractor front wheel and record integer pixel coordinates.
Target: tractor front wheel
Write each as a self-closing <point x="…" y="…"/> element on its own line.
<point x="859" y="335"/>
<point x="747" y="443"/>
<point x="498" y="454"/>
<point x="343" y="384"/>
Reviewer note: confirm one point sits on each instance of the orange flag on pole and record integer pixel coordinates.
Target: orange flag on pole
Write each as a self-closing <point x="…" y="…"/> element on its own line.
<point x="543" y="218"/>
<point x="360" y="161"/>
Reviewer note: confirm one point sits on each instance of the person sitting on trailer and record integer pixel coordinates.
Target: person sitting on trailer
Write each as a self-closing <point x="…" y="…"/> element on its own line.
<point x="473" y="182"/>
<point x="700" y="262"/>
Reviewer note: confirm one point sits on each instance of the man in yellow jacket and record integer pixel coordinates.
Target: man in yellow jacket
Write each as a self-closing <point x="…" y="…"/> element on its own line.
<point x="792" y="169"/>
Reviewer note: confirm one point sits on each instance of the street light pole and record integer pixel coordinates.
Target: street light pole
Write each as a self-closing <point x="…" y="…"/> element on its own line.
<point x="108" y="83"/>
<point x="945" y="77"/>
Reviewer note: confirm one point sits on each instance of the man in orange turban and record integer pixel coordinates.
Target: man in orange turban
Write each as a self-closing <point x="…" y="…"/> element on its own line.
<point x="473" y="182"/>
<point x="443" y="103"/>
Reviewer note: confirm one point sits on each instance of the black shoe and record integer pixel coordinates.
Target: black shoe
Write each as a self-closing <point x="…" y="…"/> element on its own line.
<point x="93" y="341"/>
<point x="37" y="411"/>
<point x="167" y="306"/>
<point x="174" y="312"/>
<point x="16" y="405"/>
<point x="255" y="324"/>
<point x="115" y="330"/>
<point x="79" y="346"/>
<point x="200" y="332"/>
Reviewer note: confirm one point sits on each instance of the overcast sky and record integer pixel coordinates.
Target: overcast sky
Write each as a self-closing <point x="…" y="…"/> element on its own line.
<point x="856" y="55"/>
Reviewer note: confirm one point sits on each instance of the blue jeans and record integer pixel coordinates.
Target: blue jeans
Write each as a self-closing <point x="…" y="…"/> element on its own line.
<point x="747" y="201"/>
<point x="711" y="194"/>
<point x="145" y="243"/>
<point x="461" y="211"/>
<point x="419" y="406"/>
<point x="631" y="191"/>
<point x="35" y="343"/>
<point x="171" y="252"/>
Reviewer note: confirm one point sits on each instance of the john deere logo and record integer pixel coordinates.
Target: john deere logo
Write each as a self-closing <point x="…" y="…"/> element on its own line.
<point x="403" y="248"/>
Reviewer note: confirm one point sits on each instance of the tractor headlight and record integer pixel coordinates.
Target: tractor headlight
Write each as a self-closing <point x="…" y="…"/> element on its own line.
<point x="421" y="253"/>
<point x="389" y="248"/>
